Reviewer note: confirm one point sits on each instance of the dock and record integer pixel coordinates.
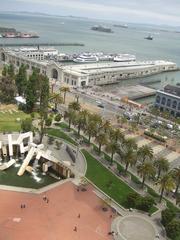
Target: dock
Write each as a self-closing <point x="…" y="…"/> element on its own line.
<point x="40" y="44"/>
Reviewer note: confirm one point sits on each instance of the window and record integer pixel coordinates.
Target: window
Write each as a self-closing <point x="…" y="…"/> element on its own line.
<point x="163" y="101"/>
<point x="168" y="102"/>
<point x="158" y="99"/>
<point x="174" y="105"/>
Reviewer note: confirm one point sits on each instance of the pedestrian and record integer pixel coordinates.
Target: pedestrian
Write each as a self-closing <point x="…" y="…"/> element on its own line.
<point x="24" y="206"/>
<point x="110" y="216"/>
<point x="79" y="215"/>
<point x="75" y="229"/>
<point x="44" y="198"/>
<point x="47" y="200"/>
<point x="21" y="206"/>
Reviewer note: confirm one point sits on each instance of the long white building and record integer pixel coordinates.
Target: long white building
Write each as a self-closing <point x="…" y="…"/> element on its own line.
<point x="78" y="75"/>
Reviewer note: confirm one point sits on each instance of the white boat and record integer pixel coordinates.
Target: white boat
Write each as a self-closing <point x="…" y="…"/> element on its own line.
<point x="86" y="58"/>
<point x="124" y="58"/>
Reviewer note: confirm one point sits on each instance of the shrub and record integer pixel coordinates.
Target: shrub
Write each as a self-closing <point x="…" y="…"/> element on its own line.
<point x="58" y="118"/>
<point x="173" y="229"/>
<point x="33" y="114"/>
<point x="48" y="121"/>
<point x="132" y="199"/>
<point x="167" y="216"/>
<point x="26" y="125"/>
<point x="145" y="203"/>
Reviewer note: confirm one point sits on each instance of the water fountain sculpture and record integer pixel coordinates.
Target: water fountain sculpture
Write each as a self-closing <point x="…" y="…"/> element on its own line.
<point x="32" y="152"/>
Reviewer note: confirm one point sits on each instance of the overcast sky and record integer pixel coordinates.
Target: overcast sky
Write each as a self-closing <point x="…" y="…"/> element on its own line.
<point x="144" y="11"/>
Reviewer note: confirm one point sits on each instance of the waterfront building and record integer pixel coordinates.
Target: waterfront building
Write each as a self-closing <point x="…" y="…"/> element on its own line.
<point x="79" y="75"/>
<point x="169" y="100"/>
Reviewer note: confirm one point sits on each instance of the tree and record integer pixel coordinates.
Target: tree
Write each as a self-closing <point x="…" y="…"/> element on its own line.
<point x="21" y="80"/>
<point x="7" y="90"/>
<point x="101" y="139"/>
<point x="166" y="183"/>
<point x="116" y="135"/>
<point x="31" y="93"/>
<point x="56" y="98"/>
<point x="10" y="71"/>
<point x="145" y="203"/>
<point x="74" y="106"/>
<point x="129" y="158"/>
<point x="65" y="89"/>
<point x="173" y="229"/>
<point x="161" y="164"/>
<point x="26" y="125"/>
<point x="48" y="121"/>
<point x="145" y="153"/>
<point x="145" y="170"/>
<point x="112" y="148"/>
<point x="106" y="126"/>
<point x="43" y="99"/>
<point x="81" y="119"/>
<point x="167" y="216"/>
<point x="58" y="118"/>
<point x="71" y="116"/>
<point x="176" y="176"/>
<point x="4" y="71"/>
<point x="132" y="199"/>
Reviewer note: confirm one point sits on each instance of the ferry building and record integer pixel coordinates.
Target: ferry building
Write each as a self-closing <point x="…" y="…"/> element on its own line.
<point x="87" y="74"/>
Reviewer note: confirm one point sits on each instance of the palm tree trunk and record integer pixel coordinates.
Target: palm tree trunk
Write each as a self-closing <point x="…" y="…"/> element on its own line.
<point x="69" y="124"/>
<point x="127" y="165"/>
<point x="64" y="97"/>
<point x="89" y="138"/>
<point x="99" y="150"/>
<point x="55" y="106"/>
<point x="79" y="129"/>
<point x="143" y="181"/>
<point x="112" y="155"/>
<point x="161" y="196"/>
<point x="159" y="173"/>
<point x="41" y="130"/>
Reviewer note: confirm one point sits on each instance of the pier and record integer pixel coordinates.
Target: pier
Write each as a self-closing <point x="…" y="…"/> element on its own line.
<point x="40" y="44"/>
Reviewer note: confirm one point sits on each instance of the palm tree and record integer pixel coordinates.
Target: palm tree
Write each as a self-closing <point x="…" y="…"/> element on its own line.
<point x="56" y="98"/>
<point x="74" y="106"/>
<point x="71" y="116"/>
<point x="116" y="135"/>
<point x="161" y="164"/>
<point x="65" y="89"/>
<point x="166" y="183"/>
<point x="106" y="126"/>
<point x="81" y="119"/>
<point x="112" y="148"/>
<point x="129" y="158"/>
<point x="101" y="139"/>
<point x="176" y="176"/>
<point x="145" y="153"/>
<point x="129" y="143"/>
<point x="145" y="169"/>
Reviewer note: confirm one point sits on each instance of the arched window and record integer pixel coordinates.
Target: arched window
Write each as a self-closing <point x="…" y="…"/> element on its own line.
<point x="169" y="102"/>
<point x="179" y="106"/>
<point x="3" y="57"/>
<point x="163" y="101"/>
<point x="17" y="63"/>
<point x="174" y="105"/>
<point x="158" y="99"/>
<point x="54" y="73"/>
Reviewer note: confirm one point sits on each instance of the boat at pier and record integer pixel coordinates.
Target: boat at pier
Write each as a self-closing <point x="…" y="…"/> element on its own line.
<point x="19" y="35"/>
<point x="149" y="37"/>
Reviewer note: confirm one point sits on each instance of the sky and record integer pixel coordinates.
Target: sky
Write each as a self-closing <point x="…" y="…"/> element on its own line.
<point x="141" y="11"/>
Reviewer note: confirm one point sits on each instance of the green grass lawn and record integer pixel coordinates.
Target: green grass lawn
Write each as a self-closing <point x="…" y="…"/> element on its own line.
<point x="106" y="181"/>
<point x="60" y="134"/>
<point x="8" y="122"/>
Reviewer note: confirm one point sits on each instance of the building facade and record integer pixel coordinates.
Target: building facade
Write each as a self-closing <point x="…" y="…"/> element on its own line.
<point x="80" y="75"/>
<point x="169" y="100"/>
